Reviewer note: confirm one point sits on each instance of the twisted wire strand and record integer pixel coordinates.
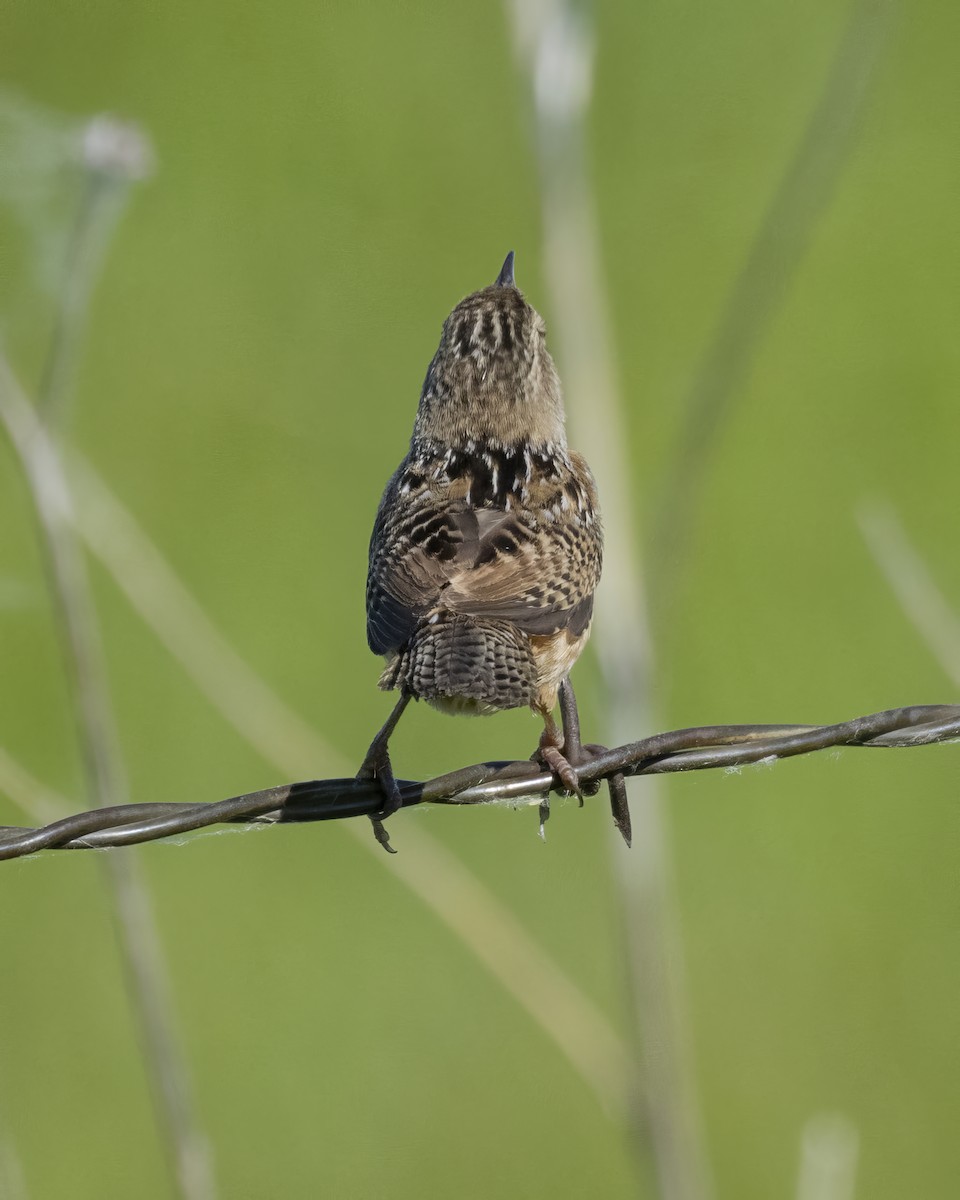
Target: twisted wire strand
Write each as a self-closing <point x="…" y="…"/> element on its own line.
<point x="696" y="749"/>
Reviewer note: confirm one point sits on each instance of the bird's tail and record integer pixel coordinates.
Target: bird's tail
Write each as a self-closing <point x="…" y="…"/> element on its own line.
<point x="465" y="664"/>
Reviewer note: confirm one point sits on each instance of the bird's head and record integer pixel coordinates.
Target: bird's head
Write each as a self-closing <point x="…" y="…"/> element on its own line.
<point x="492" y="379"/>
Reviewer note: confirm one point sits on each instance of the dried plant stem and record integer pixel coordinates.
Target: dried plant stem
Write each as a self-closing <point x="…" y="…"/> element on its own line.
<point x="781" y="242"/>
<point x="163" y="601"/>
<point x="139" y="941"/>
<point x="13" y="1184"/>
<point x="99" y="207"/>
<point x="554" y="46"/>
<point x="525" y="970"/>
<point x="909" y="578"/>
<point x="28" y="793"/>
<point x="829" y="1151"/>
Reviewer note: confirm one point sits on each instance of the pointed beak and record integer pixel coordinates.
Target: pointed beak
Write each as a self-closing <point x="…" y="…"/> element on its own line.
<point x="505" y="278"/>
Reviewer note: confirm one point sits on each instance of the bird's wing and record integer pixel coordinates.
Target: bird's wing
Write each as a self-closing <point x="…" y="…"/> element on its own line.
<point x="536" y="566"/>
<point x="410" y="541"/>
<point x="539" y="574"/>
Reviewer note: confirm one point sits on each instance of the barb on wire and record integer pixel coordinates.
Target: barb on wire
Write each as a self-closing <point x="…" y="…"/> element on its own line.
<point x="696" y="749"/>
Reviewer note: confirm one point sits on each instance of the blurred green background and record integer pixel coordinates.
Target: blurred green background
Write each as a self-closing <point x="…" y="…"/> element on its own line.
<point x="331" y="179"/>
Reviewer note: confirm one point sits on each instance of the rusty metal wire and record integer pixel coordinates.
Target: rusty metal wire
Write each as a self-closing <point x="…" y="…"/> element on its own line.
<point x="697" y="749"/>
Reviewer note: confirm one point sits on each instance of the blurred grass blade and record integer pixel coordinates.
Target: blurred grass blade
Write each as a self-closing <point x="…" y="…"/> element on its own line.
<point x="164" y="603"/>
<point x="910" y="580"/>
<point x="137" y="935"/>
<point x="28" y="793"/>
<point x="114" y="155"/>
<point x="829" y="1150"/>
<point x="13" y="1182"/>
<point x="800" y="200"/>
<point x="555" y="47"/>
<point x="110" y="156"/>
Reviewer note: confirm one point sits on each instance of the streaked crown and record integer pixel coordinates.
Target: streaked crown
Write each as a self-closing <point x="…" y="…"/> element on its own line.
<point x="492" y="378"/>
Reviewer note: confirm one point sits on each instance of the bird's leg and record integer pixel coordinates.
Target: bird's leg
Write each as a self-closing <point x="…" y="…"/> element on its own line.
<point x="576" y="752"/>
<point x="551" y="754"/>
<point x="376" y="765"/>
<point x="570" y="721"/>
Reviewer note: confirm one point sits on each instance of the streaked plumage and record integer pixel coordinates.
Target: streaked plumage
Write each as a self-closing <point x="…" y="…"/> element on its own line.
<point x="487" y="545"/>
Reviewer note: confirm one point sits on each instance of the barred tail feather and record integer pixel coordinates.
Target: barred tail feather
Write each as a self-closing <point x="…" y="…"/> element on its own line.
<point x="463" y="664"/>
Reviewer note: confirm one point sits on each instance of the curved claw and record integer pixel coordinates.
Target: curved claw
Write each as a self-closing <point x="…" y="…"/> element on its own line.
<point x="377" y="766"/>
<point x="380" y="833"/>
<point x="554" y="759"/>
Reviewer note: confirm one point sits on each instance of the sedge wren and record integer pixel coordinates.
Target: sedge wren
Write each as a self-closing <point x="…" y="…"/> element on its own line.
<point x="487" y="545"/>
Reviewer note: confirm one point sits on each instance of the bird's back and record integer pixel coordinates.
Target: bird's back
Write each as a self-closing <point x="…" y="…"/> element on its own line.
<point x="483" y="564"/>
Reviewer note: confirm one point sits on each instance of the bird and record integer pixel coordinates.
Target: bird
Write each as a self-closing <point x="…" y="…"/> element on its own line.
<point x="487" y="546"/>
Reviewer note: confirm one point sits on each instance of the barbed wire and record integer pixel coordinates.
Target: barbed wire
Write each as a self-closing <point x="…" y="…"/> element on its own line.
<point x="695" y="749"/>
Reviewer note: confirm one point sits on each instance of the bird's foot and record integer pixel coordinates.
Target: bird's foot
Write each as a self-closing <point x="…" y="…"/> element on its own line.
<point x="552" y="756"/>
<point x="377" y="766"/>
<point x="563" y="765"/>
